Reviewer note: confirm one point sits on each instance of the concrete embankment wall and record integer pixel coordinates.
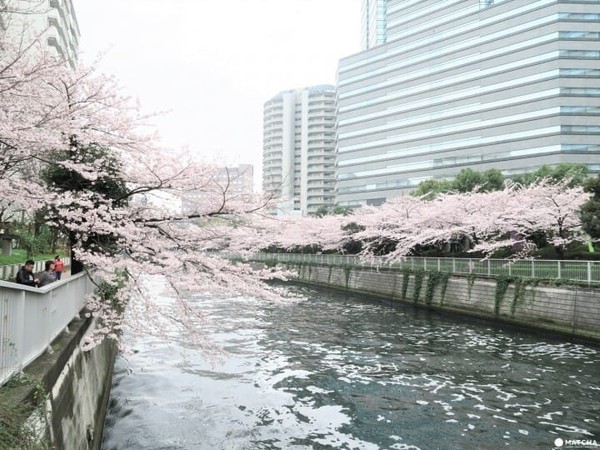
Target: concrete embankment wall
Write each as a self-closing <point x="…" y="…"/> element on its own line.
<point x="573" y="310"/>
<point x="76" y="385"/>
<point x="79" y="397"/>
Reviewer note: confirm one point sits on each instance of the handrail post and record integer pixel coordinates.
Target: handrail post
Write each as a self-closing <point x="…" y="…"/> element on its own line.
<point x="532" y="269"/>
<point x="20" y="323"/>
<point x="589" y="272"/>
<point x="489" y="267"/>
<point x="558" y="271"/>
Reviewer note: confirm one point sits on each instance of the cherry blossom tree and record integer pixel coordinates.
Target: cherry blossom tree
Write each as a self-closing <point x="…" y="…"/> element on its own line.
<point x="481" y="221"/>
<point x="72" y="144"/>
<point x="548" y="207"/>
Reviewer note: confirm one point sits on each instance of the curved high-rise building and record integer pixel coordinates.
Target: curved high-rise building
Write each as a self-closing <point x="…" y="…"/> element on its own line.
<point x="503" y="84"/>
<point x="52" y="21"/>
<point x="299" y="148"/>
<point x="63" y="30"/>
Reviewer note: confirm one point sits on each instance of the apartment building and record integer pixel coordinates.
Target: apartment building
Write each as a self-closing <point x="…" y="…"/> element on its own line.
<point x="299" y="148"/>
<point x="52" y="21"/>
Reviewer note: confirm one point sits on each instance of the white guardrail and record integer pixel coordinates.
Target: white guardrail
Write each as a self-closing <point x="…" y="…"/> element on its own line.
<point x="580" y="271"/>
<point x="31" y="318"/>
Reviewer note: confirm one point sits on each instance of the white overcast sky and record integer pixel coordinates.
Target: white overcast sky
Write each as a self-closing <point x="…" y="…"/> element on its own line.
<point x="213" y="63"/>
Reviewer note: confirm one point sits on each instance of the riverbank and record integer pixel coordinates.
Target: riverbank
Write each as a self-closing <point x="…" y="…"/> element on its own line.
<point x="570" y="310"/>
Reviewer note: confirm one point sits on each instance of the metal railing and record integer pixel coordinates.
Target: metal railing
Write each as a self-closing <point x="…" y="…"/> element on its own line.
<point x="580" y="271"/>
<point x="9" y="271"/>
<point x="31" y="318"/>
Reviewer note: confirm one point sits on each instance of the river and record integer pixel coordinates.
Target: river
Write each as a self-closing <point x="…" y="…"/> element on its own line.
<point x="340" y="371"/>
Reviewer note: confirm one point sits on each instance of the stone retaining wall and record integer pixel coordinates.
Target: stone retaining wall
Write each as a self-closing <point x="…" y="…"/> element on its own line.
<point x="574" y="310"/>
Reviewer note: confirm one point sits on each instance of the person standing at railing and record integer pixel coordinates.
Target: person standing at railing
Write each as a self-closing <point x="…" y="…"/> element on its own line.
<point x="59" y="267"/>
<point x="25" y="274"/>
<point x="48" y="275"/>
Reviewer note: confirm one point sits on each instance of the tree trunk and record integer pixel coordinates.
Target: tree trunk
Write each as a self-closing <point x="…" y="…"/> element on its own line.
<point x="53" y="240"/>
<point x="76" y="265"/>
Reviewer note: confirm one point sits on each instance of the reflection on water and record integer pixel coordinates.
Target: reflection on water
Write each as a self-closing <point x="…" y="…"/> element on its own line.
<point x="347" y="372"/>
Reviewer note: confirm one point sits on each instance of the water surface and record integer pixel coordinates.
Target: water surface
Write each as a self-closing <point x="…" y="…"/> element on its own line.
<point x="347" y="372"/>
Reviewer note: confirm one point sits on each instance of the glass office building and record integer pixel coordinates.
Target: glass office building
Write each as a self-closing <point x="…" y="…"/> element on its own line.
<point x="374" y="23"/>
<point x="483" y="84"/>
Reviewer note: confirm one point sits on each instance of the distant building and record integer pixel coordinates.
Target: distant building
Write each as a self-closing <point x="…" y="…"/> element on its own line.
<point x="511" y="85"/>
<point x="239" y="180"/>
<point x="374" y="23"/>
<point x="54" y="20"/>
<point x="166" y="200"/>
<point x="299" y="148"/>
<point x="236" y="182"/>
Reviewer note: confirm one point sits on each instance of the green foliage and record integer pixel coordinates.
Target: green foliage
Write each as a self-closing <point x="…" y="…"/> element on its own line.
<point x="590" y="211"/>
<point x="108" y="187"/>
<point x="502" y="283"/>
<point x="470" y="283"/>
<point x="467" y="180"/>
<point x="592" y="185"/>
<point x="111" y="184"/>
<point x="493" y="180"/>
<point x="430" y="188"/>
<point x="321" y="211"/>
<point x="405" y="281"/>
<point x="34" y="235"/>
<point x="352" y="246"/>
<point x="16" y="432"/>
<point x="432" y="281"/>
<point x="574" y="251"/>
<point x="270" y="263"/>
<point x="347" y="273"/>
<point x="444" y="281"/>
<point x="577" y="173"/>
<point x="419" y="275"/>
<point x="520" y="289"/>
<point x="34" y="244"/>
<point x="332" y="210"/>
<point x="19" y="256"/>
<point x="342" y="210"/>
<point x="107" y="291"/>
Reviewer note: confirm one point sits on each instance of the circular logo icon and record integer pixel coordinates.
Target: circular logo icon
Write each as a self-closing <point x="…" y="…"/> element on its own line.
<point x="559" y="442"/>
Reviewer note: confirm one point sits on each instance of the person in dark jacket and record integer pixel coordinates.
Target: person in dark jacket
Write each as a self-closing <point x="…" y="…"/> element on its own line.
<point x="25" y="274"/>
